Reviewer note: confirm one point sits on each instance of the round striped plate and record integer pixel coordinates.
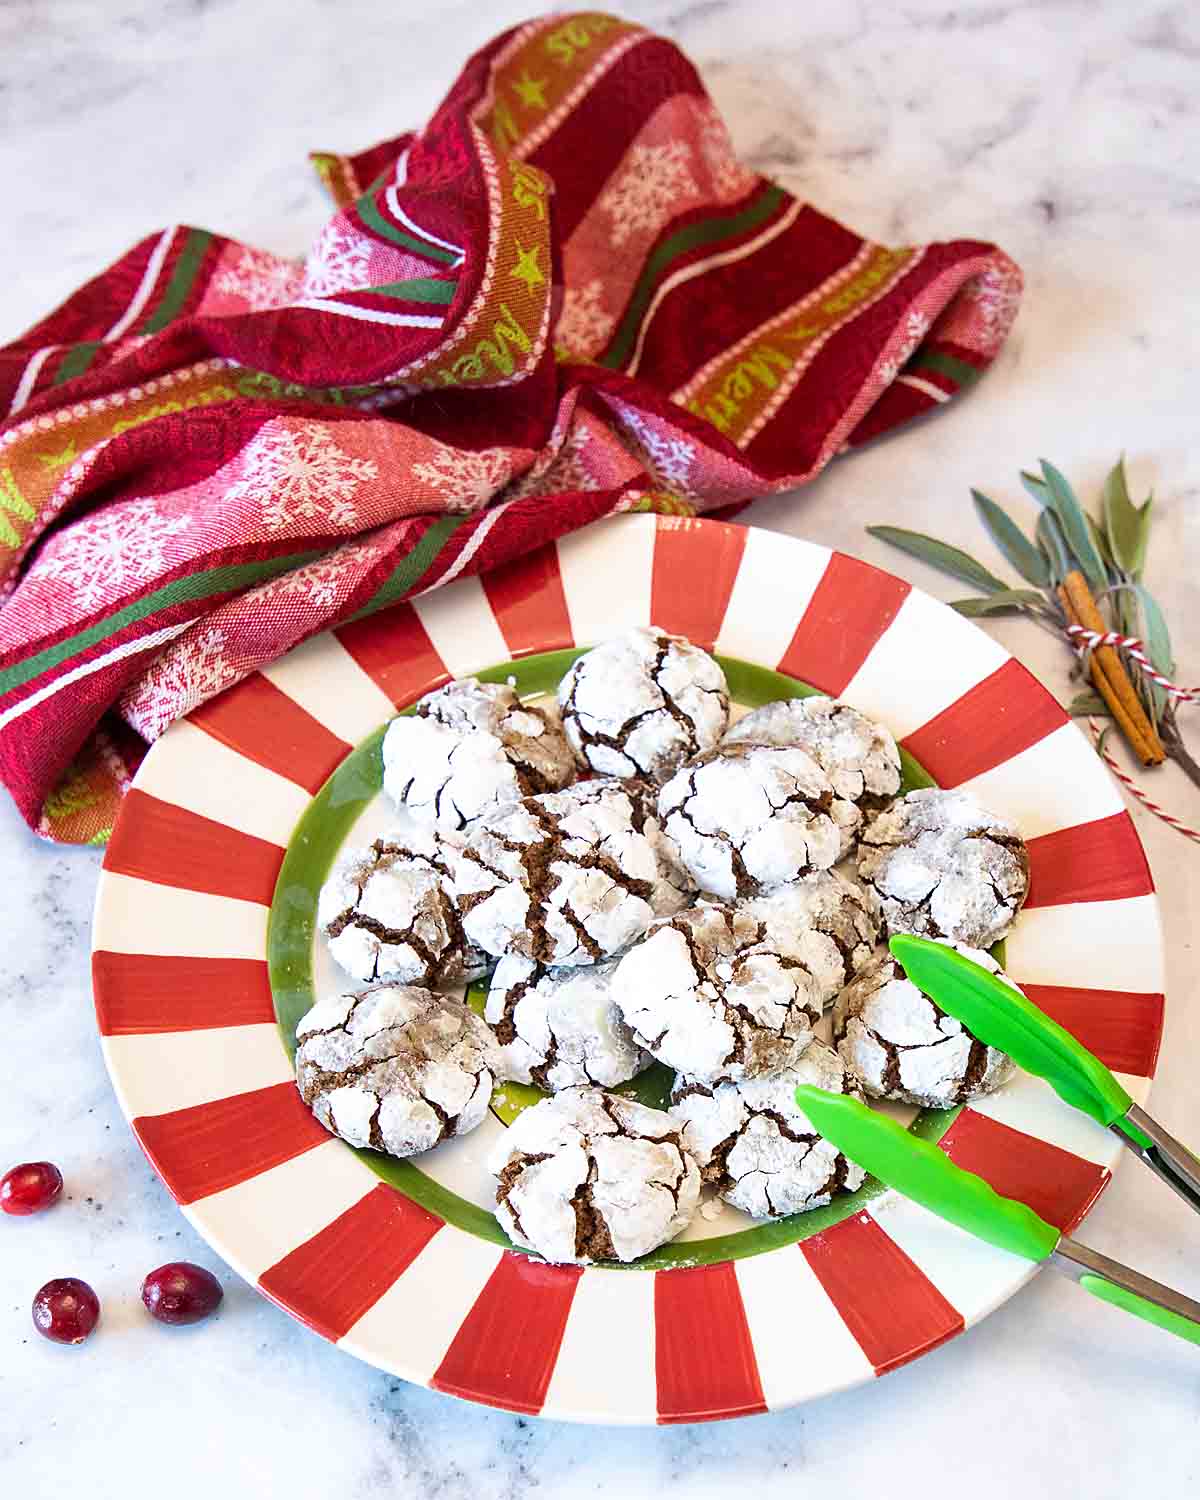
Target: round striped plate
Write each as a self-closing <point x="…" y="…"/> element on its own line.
<point x="188" y="1019"/>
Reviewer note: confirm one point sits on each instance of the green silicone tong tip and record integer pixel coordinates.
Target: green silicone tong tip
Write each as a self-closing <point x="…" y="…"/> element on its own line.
<point x="999" y="1015"/>
<point x="924" y="1173"/>
<point x="1129" y="1301"/>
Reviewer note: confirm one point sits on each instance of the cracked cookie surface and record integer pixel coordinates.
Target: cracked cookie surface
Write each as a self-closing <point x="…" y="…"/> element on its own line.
<point x="757" y="1147"/>
<point x="860" y="756"/>
<point x="900" y="1045"/>
<point x="566" y="878"/>
<point x="388" y="912"/>
<point x="643" y="703"/>
<point x="718" y="994"/>
<point x="587" y="1175"/>
<point x="827" y="921"/>
<point x="470" y="747"/>
<point x="751" y="818"/>
<point x="558" y="1028"/>
<point x="944" y="867"/>
<point x="396" y="1068"/>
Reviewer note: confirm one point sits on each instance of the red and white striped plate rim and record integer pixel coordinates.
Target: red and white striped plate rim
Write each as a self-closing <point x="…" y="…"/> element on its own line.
<point x="185" y="1011"/>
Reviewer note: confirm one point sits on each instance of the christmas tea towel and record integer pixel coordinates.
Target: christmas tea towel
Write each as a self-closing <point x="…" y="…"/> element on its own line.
<point x="564" y="297"/>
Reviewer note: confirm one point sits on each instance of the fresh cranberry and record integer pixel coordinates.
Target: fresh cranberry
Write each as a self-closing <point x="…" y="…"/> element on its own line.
<point x="181" y="1292"/>
<point x="29" y="1188"/>
<point x="66" y="1310"/>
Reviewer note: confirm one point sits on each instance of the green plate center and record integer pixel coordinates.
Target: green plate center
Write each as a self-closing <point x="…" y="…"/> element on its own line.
<point x="292" y="934"/>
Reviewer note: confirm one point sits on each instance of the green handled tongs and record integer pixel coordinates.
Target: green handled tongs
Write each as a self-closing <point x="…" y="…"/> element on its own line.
<point x="1003" y="1018"/>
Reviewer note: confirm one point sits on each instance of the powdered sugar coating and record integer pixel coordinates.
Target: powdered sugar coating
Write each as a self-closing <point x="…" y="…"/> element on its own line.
<point x="751" y="818"/>
<point x="397" y="1068"/>
<point x="470" y="747"/>
<point x="676" y="888"/>
<point x="827" y="922"/>
<point x="753" y="1142"/>
<point x="642" y="703"/>
<point x="587" y="1175"/>
<point x="388" y="912"/>
<point x="860" y="757"/>
<point x="566" y="878"/>
<point x="944" y="867"/>
<point x="717" y="994"/>
<point x="900" y="1045"/>
<point x="558" y="1028"/>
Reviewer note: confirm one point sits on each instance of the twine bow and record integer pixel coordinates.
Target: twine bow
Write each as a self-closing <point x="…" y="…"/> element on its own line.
<point x="1086" y="641"/>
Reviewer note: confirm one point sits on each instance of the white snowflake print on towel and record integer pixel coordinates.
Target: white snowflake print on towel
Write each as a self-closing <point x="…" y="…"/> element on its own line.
<point x="321" y="583"/>
<point x="730" y="179"/>
<point x="563" y="473"/>
<point x="300" y="474"/>
<point x="110" y="552"/>
<point x="915" y="328"/>
<point x="648" y="191"/>
<point x="262" y="281"/>
<point x="997" y="295"/>
<point x="465" y="479"/>
<point x="190" y="671"/>
<point x="584" y="325"/>
<point x="669" y="459"/>
<point x="337" y="262"/>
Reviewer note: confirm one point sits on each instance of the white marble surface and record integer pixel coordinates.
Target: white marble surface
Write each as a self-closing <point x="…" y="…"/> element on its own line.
<point x="1069" y="133"/>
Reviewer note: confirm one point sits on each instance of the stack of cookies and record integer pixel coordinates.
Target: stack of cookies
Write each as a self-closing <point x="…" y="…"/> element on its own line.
<point x="701" y="899"/>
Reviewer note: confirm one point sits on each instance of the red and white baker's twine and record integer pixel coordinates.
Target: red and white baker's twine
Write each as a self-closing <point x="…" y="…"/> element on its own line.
<point x="1135" y="791"/>
<point x="1086" y="641"/>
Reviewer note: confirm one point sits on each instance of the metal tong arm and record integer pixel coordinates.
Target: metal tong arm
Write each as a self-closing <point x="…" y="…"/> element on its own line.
<point x="1127" y="1289"/>
<point x="1165" y="1156"/>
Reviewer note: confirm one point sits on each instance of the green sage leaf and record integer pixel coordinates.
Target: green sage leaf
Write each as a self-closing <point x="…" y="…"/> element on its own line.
<point x="1074" y="525"/>
<point x="940" y="555"/>
<point x="995" y="604"/>
<point x="1052" y="543"/>
<point x="1012" y="541"/>
<point x="1122" y="523"/>
<point x="1099" y="540"/>
<point x="1084" y="704"/>
<point x="1125" y="605"/>
<point x="1157" y="636"/>
<point x="1036" y="486"/>
<point x="1157" y="639"/>
<point x="1143" y="539"/>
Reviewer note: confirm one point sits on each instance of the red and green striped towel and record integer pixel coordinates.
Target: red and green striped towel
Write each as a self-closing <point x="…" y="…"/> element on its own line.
<point x="564" y="297"/>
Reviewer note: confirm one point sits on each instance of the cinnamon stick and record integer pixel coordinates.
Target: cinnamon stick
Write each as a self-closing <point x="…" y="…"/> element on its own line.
<point x="1109" y="675"/>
